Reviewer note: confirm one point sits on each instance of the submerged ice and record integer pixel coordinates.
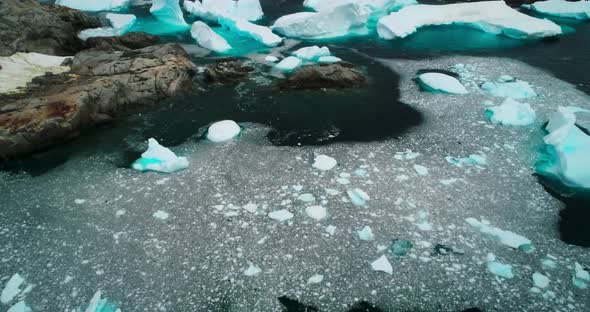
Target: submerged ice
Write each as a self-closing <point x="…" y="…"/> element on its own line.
<point x="12" y="288"/>
<point x="160" y="159"/>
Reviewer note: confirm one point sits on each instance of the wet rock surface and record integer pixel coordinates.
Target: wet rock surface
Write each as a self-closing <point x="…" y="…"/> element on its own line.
<point x="128" y="41"/>
<point x="227" y="71"/>
<point x="325" y="76"/>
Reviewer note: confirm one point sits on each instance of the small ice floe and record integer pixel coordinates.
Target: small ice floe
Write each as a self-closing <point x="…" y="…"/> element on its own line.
<point x="407" y="155"/>
<point x="581" y="276"/>
<point x="382" y="265"/>
<point x="252" y="270"/>
<point x="162" y="215"/>
<point x="343" y="181"/>
<point x="208" y="38"/>
<point x="511" y="113"/>
<point x="498" y="268"/>
<point x="307" y="198"/>
<point x="316" y="212"/>
<point x="316" y="279"/>
<point x="331" y="229"/>
<point x="401" y="247"/>
<point x="549" y="263"/>
<point x="211" y="11"/>
<point x="311" y="54"/>
<point x="448" y="181"/>
<point x="79" y="201"/>
<point x="20" y="306"/>
<point x="540" y="281"/>
<point x="222" y="131"/>
<point x="250" y="207"/>
<point x="441" y="83"/>
<point x="562" y="8"/>
<point x="358" y="197"/>
<point x="472" y="160"/>
<point x="422" y="223"/>
<point x="289" y="64"/>
<point x="421" y="170"/>
<point x="12" y="288"/>
<point x="271" y="59"/>
<point x="366" y="234"/>
<point x="507" y="238"/>
<point x="99" y="304"/>
<point x="280" y="215"/>
<point x="160" y="159"/>
<point x="332" y="192"/>
<point x="516" y="89"/>
<point x="324" y="163"/>
<point x="329" y="59"/>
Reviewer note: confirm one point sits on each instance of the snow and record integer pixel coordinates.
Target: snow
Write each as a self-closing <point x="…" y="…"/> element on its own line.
<point x="516" y="89"/>
<point x="437" y="82"/>
<point x="366" y="234"/>
<point x="498" y="268"/>
<point x="316" y="212"/>
<point x="581" y="277"/>
<point x="358" y="197"/>
<point x="209" y="39"/>
<point x="511" y="113"/>
<point x="507" y="238"/>
<point x="281" y="215"/>
<point x="311" y="54"/>
<point x="382" y="265"/>
<point x="120" y="24"/>
<point x="160" y="159"/>
<point x="272" y="59"/>
<point x="12" y="288"/>
<point x="95" y="6"/>
<point x="222" y="131"/>
<point x="540" y="280"/>
<point x="315" y="279"/>
<point x="162" y="215"/>
<point x="20" y="69"/>
<point x="490" y="16"/>
<point x="324" y="163"/>
<point x="252" y="270"/>
<point x="289" y="64"/>
<point x="19" y="307"/>
<point x="259" y="33"/>
<point x="334" y="22"/>
<point x="168" y="12"/>
<point x="421" y="170"/>
<point x="328" y="59"/>
<point x="561" y="8"/>
<point x="212" y="10"/>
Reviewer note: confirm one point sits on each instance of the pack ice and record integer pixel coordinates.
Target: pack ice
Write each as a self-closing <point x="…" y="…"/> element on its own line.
<point x="160" y="159"/>
<point x="437" y="82"/>
<point x="511" y="113"/>
<point x="169" y="13"/>
<point x="490" y="16"/>
<point x="120" y="24"/>
<point x="212" y="10"/>
<point x="95" y="6"/>
<point x="209" y="39"/>
<point x="561" y="8"/>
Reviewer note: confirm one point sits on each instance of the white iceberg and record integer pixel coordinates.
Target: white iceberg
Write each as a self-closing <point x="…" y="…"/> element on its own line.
<point x="382" y="265"/>
<point x="511" y="113"/>
<point x="20" y="69"/>
<point x="421" y="170"/>
<point x="212" y="10"/>
<point x="372" y="5"/>
<point x="223" y="130"/>
<point x="162" y="215"/>
<point x="120" y="24"/>
<point x="507" y="238"/>
<point x="490" y="16"/>
<point x="561" y="8"/>
<point x="259" y="33"/>
<point x="95" y="6"/>
<point x="324" y="162"/>
<point x="160" y="159"/>
<point x="437" y="82"/>
<point x="316" y="279"/>
<point x="311" y="54"/>
<point x="271" y="58"/>
<point x="338" y="21"/>
<point x="516" y="89"/>
<point x="169" y="13"/>
<point x="289" y="64"/>
<point x="209" y="39"/>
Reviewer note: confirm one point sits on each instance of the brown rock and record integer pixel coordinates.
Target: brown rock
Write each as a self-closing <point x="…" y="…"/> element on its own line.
<point x="325" y="76"/>
<point x="228" y="70"/>
<point x="128" y="41"/>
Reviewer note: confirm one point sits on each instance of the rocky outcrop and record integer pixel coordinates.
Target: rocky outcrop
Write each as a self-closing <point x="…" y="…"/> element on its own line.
<point x="28" y="26"/>
<point x="128" y="41"/>
<point x="325" y="76"/>
<point x="101" y="85"/>
<point x="227" y="70"/>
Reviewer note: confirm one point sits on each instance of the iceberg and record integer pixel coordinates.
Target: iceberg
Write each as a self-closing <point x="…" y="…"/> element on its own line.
<point x="162" y="215"/>
<point x="561" y="8"/>
<point x="372" y="5"/>
<point x="289" y="64"/>
<point x="421" y="170"/>
<point x="382" y="265"/>
<point x="567" y="148"/>
<point x="312" y="54"/>
<point x="271" y="59"/>
<point x="160" y="159"/>
<point x="366" y="234"/>
<point x="315" y="279"/>
<point x="12" y="288"/>
<point x="20" y="69"/>
<point x="120" y="24"/>
<point x="516" y="89"/>
<point x="511" y="113"/>
<point x="498" y="268"/>
<point x="95" y="6"/>
<point x="307" y="198"/>
<point x="209" y="39"/>
<point x="324" y="162"/>
<point x="437" y="82"/>
<point x="212" y="10"/>
<point x="338" y="21"/>
<point x="507" y="238"/>
<point x="490" y="16"/>
<point x="169" y="13"/>
<point x="222" y="131"/>
<point x="259" y="33"/>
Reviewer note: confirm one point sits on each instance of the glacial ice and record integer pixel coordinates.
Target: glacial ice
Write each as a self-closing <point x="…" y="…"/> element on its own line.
<point x="212" y="10"/>
<point x="160" y="159"/>
<point x="401" y="247"/>
<point x="567" y="149"/>
<point x="507" y="238"/>
<point x="222" y="131"/>
<point x="120" y="24"/>
<point x="312" y="53"/>
<point x="280" y="215"/>
<point x="498" y="268"/>
<point x="20" y="69"/>
<point x="95" y="6"/>
<point x="209" y="39"/>
<point x="382" y="265"/>
<point x="358" y="197"/>
<point x="511" y="113"/>
<point x="12" y="288"/>
<point x="516" y="89"/>
<point x="334" y="22"/>
<point x="581" y="277"/>
<point x="540" y="280"/>
<point x="289" y="64"/>
<point x="490" y="16"/>
<point x="366" y="234"/>
<point x="247" y="29"/>
<point x="324" y="162"/>
<point x="561" y="8"/>
<point x="316" y="212"/>
<point x="99" y="304"/>
<point x="437" y="82"/>
<point x="169" y="13"/>
<point x="252" y="270"/>
<point x="19" y="307"/>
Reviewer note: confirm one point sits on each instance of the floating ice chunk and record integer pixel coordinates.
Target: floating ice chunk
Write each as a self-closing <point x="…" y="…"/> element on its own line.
<point x="20" y="69"/>
<point x="498" y="268"/>
<point x="358" y="197"/>
<point x="331" y="229"/>
<point x="333" y="22"/>
<point x="581" y="276"/>
<point x="421" y="170"/>
<point x="223" y="130"/>
<point x="366" y="234"/>
<point x="212" y="10"/>
<point x="437" y="82"/>
<point x="280" y="215"/>
<point x="490" y="16"/>
<point x="98" y="304"/>
<point x="360" y="173"/>
<point x="250" y="10"/>
<point x="160" y="159"/>
<point x="168" y="12"/>
<point x="324" y="163"/>
<point x="289" y="64"/>
<point x="549" y="263"/>
<point x="78" y="201"/>
<point x="332" y="192"/>
<point x="448" y="181"/>
<point x="507" y="238"/>
<point x="343" y="181"/>
<point x="329" y="59"/>
<point x="272" y="59"/>
<point x="401" y="247"/>
<point x="307" y="197"/>
<point x="407" y="155"/>
<point x="316" y="212"/>
<point x="372" y="5"/>
<point x="382" y="265"/>
<point x="540" y="280"/>
<point x="120" y="24"/>
<point x="259" y="33"/>
<point x="316" y="279"/>
<point x="209" y="39"/>
<point x="162" y="215"/>
<point x="472" y="160"/>
<point x="517" y="89"/>
<point x="561" y="8"/>
<point x="250" y="207"/>
<point x="311" y="54"/>
<point x="511" y="113"/>
<point x="297" y="188"/>
<point x="424" y="225"/>
<point x="252" y="270"/>
<point x="567" y="149"/>
<point x="95" y="6"/>
<point x="19" y="307"/>
<point x="12" y="288"/>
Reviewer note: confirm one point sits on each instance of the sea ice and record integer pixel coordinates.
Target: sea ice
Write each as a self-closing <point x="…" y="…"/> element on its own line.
<point x="209" y="39"/>
<point x="160" y="159"/>
<point x="498" y="268"/>
<point x="98" y="304"/>
<point x="382" y="265"/>
<point x="162" y="215"/>
<point x="212" y="10"/>
<point x="252" y="270"/>
<point x="437" y="82"/>
<point x="540" y="280"/>
<point x="12" y="288"/>
<point x="581" y="276"/>
<point x="19" y="307"/>
<point x="316" y="279"/>
<point x="20" y="69"/>
<point x="247" y="29"/>
<point x="407" y="155"/>
<point x="168" y="12"/>
<point x="507" y="238"/>
<point x="516" y="89"/>
<point x="280" y="215"/>
<point x="312" y="53"/>
<point x="490" y="16"/>
<point x="421" y="170"/>
<point x="561" y="8"/>
<point x="250" y="207"/>
<point x="289" y="64"/>
<point x="358" y="197"/>
<point x="316" y="212"/>
<point x="95" y="6"/>
<point x="511" y="113"/>
<point x="324" y="163"/>
<point x="472" y="160"/>
<point x="331" y="229"/>
<point x="120" y="24"/>
<point x="223" y="130"/>
<point x="366" y="234"/>
<point x="307" y="197"/>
